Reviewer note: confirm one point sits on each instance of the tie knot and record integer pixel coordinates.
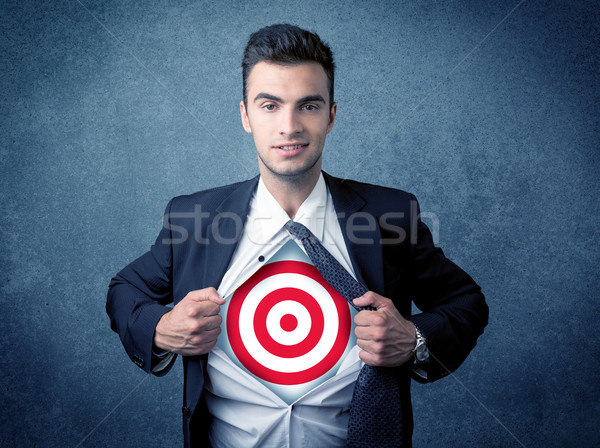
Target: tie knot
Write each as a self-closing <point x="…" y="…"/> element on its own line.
<point x="298" y="230"/>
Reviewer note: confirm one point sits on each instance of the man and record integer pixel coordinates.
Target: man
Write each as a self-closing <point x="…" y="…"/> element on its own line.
<point x="217" y="242"/>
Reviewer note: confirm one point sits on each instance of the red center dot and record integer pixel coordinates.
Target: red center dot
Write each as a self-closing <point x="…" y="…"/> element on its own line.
<point x="288" y="322"/>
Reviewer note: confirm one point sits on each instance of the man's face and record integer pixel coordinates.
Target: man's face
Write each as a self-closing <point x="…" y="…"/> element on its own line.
<point x="288" y="115"/>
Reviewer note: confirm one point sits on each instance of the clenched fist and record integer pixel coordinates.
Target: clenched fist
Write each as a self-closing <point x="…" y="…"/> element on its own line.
<point x="386" y="338"/>
<point x="192" y="326"/>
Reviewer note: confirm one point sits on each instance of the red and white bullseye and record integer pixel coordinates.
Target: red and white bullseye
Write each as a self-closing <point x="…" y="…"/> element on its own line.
<point x="288" y="322"/>
<point x="287" y="325"/>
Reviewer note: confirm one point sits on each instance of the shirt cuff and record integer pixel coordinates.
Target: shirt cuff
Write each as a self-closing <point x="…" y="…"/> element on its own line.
<point x="420" y="371"/>
<point x="163" y="358"/>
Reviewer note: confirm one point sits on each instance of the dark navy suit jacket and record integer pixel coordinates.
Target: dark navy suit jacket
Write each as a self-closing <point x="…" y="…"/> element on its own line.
<point x="391" y="250"/>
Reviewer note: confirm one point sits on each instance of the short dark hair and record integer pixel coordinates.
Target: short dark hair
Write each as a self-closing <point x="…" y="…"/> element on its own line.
<point x="289" y="45"/>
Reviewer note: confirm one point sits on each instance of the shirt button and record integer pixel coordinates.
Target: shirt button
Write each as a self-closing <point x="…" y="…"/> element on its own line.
<point x="261" y="258"/>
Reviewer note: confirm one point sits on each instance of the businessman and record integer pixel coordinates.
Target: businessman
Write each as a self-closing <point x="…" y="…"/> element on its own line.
<point x="291" y="292"/>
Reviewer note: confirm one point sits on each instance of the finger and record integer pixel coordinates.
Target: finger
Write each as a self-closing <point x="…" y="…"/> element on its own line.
<point x="212" y="323"/>
<point x="372" y="299"/>
<point x="198" y="310"/>
<point x="372" y="350"/>
<point x="207" y="294"/>
<point x="206" y="337"/>
<point x="368" y="358"/>
<point x="362" y="319"/>
<point x="362" y="344"/>
<point x="206" y="324"/>
<point x="369" y="334"/>
<point x="200" y="349"/>
<point x="368" y="318"/>
<point x="364" y="338"/>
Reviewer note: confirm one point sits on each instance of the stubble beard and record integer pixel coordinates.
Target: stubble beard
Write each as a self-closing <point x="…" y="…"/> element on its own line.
<point x="299" y="176"/>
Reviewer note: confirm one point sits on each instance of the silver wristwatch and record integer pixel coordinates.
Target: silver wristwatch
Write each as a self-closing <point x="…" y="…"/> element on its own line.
<point x="421" y="352"/>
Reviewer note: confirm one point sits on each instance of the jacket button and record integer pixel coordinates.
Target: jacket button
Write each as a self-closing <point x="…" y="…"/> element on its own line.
<point x="186" y="412"/>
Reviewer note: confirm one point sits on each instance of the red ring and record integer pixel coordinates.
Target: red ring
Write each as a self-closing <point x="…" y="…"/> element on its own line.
<point x="270" y="375"/>
<point x="302" y="347"/>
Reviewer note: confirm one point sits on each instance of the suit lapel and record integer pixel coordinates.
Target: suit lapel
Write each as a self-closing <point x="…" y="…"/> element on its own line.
<point x="366" y="258"/>
<point x="222" y="235"/>
<point x="225" y="230"/>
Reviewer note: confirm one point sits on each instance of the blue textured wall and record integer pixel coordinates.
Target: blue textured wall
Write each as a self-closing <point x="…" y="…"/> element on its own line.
<point x="108" y="109"/>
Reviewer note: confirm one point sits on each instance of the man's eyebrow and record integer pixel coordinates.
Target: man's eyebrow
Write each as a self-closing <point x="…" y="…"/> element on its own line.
<point x="306" y="99"/>
<point x="267" y="96"/>
<point x="309" y="98"/>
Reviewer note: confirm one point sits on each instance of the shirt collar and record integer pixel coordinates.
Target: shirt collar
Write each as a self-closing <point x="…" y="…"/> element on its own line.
<point x="312" y="211"/>
<point x="267" y="217"/>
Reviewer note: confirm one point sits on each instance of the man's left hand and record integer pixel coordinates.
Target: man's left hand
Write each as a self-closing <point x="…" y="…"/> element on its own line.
<point x="386" y="338"/>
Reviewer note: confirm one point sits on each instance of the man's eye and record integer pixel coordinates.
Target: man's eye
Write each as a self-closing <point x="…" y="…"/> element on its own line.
<point x="269" y="106"/>
<point x="309" y="107"/>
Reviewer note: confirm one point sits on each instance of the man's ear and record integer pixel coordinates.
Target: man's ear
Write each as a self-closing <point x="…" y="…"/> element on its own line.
<point x="245" y="121"/>
<point x="332" y="113"/>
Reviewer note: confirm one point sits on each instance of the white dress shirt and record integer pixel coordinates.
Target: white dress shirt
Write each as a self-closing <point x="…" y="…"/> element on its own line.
<point x="248" y="412"/>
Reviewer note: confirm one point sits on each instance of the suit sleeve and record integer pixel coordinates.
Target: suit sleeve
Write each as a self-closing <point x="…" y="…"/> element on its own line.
<point x="454" y="312"/>
<point x="137" y="299"/>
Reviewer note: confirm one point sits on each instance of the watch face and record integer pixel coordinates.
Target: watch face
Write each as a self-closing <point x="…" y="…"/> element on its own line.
<point x="421" y="352"/>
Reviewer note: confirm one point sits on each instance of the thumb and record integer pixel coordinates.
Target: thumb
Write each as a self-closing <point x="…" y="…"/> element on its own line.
<point x="201" y="295"/>
<point x="371" y="299"/>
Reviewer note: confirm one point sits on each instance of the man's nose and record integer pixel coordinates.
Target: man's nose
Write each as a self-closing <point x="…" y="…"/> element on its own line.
<point x="290" y="123"/>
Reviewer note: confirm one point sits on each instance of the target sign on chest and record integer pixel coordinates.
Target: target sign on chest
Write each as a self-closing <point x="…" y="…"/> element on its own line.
<point x="286" y="326"/>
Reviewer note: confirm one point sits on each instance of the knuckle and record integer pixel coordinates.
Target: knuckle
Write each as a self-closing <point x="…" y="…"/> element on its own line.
<point x="378" y="321"/>
<point x="196" y="341"/>
<point x="191" y="311"/>
<point x="378" y="350"/>
<point x="194" y="327"/>
<point x="210" y="308"/>
<point x="378" y="334"/>
<point x="363" y="355"/>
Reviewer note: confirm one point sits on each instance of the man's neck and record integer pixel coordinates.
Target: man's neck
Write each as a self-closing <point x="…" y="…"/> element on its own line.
<point x="290" y="192"/>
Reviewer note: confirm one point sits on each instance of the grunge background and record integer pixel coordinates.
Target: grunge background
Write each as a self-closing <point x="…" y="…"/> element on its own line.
<point x="487" y="111"/>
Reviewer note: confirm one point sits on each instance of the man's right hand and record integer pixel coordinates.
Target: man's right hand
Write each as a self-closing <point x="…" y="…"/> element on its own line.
<point x="192" y="326"/>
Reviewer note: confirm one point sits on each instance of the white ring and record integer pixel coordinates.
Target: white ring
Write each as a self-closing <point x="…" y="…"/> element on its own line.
<point x="307" y="360"/>
<point x="297" y="310"/>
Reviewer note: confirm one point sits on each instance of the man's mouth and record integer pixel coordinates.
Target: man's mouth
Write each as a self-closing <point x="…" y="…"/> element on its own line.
<point x="292" y="147"/>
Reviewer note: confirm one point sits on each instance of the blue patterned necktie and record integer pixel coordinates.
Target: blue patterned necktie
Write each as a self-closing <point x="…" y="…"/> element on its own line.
<point x="375" y="413"/>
